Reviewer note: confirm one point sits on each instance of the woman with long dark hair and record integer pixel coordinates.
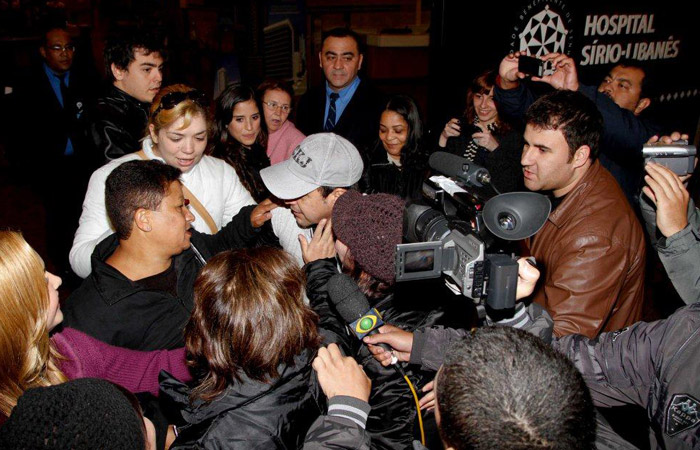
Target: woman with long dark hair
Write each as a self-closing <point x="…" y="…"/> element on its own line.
<point x="483" y="137"/>
<point x="398" y="161"/>
<point x="241" y="137"/>
<point x="251" y="339"/>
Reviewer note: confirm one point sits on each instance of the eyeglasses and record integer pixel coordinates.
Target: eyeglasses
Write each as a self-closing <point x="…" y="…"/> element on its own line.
<point x="62" y="48"/>
<point x="172" y="99"/>
<point x="274" y="106"/>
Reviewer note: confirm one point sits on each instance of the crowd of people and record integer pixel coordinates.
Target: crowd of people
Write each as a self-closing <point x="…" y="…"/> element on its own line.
<point x="213" y="234"/>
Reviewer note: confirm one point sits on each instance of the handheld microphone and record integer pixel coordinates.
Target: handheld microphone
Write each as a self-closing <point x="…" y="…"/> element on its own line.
<point x="354" y="309"/>
<point x="460" y="168"/>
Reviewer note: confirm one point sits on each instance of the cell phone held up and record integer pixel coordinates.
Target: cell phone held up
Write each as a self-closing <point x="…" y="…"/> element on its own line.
<point x="468" y="129"/>
<point x="534" y="66"/>
<point x="679" y="157"/>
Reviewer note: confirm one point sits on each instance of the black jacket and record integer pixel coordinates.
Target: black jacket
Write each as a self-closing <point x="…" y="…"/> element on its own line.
<point x="118" y="124"/>
<point x="503" y="163"/>
<point x="115" y="310"/>
<point x="391" y="420"/>
<point x="40" y="126"/>
<point x="251" y="414"/>
<point x="359" y="122"/>
<point x="383" y="176"/>
<point x="257" y="415"/>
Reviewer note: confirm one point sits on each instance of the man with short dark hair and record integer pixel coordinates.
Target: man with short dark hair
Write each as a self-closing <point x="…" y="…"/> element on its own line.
<point x="140" y="292"/>
<point x="592" y="247"/>
<point x="344" y="104"/>
<point x="134" y="65"/>
<point x="621" y="98"/>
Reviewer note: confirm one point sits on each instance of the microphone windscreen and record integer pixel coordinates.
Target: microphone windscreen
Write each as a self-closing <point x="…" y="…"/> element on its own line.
<point x="448" y="164"/>
<point x="347" y="297"/>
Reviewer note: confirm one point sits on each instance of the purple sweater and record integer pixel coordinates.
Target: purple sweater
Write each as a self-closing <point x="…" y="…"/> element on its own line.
<point x="87" y="357"/>
<point x="282" y="142"/>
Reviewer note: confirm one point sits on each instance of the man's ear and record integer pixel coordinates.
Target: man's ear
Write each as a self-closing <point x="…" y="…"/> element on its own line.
<point x="581" y="156"/>
<point x="320" y="60"/>
<point x="335" y="195"/>
<point x="117" y="73"/>
<point x="42" y="51"/>
<point x="142" y="220"/>
<point x="642" y="104"/>
<point x="359" y="64"/>
<point x="152" y="132"/>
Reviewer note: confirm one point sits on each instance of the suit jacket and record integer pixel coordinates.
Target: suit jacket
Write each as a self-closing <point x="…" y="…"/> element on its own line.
<point x="359" y="122"/>
<point x="42" y="126"/>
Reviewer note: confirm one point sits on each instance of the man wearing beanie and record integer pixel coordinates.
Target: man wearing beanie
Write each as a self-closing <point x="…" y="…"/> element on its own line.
<point x="82" y="414"/>
<point x="322" y="168"/>
<point x="367" y="229"/>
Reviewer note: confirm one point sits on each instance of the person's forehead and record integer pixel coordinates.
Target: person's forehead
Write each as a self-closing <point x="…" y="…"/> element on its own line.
<point x="549" y="137"/>
<point x="141" y="57"/>
<point x="633" y="74"/>
<point x="57" y="36"/>
<point x="340" y="45"/>
<point x="277" y="93"/>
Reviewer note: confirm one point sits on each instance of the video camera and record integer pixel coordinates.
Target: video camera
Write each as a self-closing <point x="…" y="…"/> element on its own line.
<point x="464" y="217"/>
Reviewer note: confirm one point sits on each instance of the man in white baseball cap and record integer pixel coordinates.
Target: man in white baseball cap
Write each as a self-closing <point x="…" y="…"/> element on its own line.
<point x="320" y="170"/>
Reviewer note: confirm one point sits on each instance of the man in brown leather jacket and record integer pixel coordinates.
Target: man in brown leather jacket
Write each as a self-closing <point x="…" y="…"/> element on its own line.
<point x="591" y="248"/>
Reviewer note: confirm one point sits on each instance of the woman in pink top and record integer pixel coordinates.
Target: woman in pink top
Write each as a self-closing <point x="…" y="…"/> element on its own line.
<point x="283" y="138"/>
<point x="30" y="358"/>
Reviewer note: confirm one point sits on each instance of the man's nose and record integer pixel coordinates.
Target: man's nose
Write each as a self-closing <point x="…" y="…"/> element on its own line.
<point x="189" y="217"/>
<point x="158" y="75"/>
<point x="338" y="63"/>
<point x="526" y="158"/>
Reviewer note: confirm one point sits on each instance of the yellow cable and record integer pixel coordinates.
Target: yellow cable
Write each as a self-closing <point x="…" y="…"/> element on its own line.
<point x="420" y="416"/>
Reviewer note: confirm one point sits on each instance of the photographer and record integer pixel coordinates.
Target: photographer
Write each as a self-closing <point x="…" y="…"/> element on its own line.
<point x="673" y="225"/>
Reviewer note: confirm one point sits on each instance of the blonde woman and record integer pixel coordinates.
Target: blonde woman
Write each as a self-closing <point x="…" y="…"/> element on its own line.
<point x="35" y="351"/>
<point x="177" y="134"/>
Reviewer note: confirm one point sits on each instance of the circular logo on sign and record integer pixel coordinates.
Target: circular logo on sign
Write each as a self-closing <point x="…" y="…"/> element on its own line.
<point x="543" y="27"/>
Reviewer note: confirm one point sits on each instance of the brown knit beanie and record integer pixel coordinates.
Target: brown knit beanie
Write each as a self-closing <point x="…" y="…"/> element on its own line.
<point x="82" y="414"/>
<point x="371" y="226"/>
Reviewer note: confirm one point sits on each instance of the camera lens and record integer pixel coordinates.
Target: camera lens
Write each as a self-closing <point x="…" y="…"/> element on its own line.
<point x="506" y="222"/>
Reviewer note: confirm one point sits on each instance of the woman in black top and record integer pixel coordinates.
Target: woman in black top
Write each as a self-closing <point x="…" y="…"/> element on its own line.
<point x="398" y="164"/>
<point x="241" y="137"/>
<point x="484" y="138"/>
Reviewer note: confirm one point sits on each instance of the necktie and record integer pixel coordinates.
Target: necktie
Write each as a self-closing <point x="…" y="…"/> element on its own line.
<point x="330" y="121"/>
<point x="65" y="95"/>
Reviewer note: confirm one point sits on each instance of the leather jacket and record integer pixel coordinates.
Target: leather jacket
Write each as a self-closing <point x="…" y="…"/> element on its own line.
<point x="592" y="251"/>
<point x="118" y="125"/>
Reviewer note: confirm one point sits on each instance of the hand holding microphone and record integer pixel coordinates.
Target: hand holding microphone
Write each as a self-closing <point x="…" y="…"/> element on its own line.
<point x="395" y="338"/>
<point x="354" y="309"/>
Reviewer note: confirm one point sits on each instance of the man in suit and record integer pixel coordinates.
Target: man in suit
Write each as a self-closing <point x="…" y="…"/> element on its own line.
<point x="50" y="139"/>
<point x="344" y="104"/>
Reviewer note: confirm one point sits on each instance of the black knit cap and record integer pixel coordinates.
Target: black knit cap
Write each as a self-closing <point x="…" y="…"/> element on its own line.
<point x="371" y="227"/>
<point x="86" y="413"/>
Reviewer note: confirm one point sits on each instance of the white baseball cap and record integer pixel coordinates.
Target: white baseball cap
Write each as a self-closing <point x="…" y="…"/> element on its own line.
<point x="323" y="159"/>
